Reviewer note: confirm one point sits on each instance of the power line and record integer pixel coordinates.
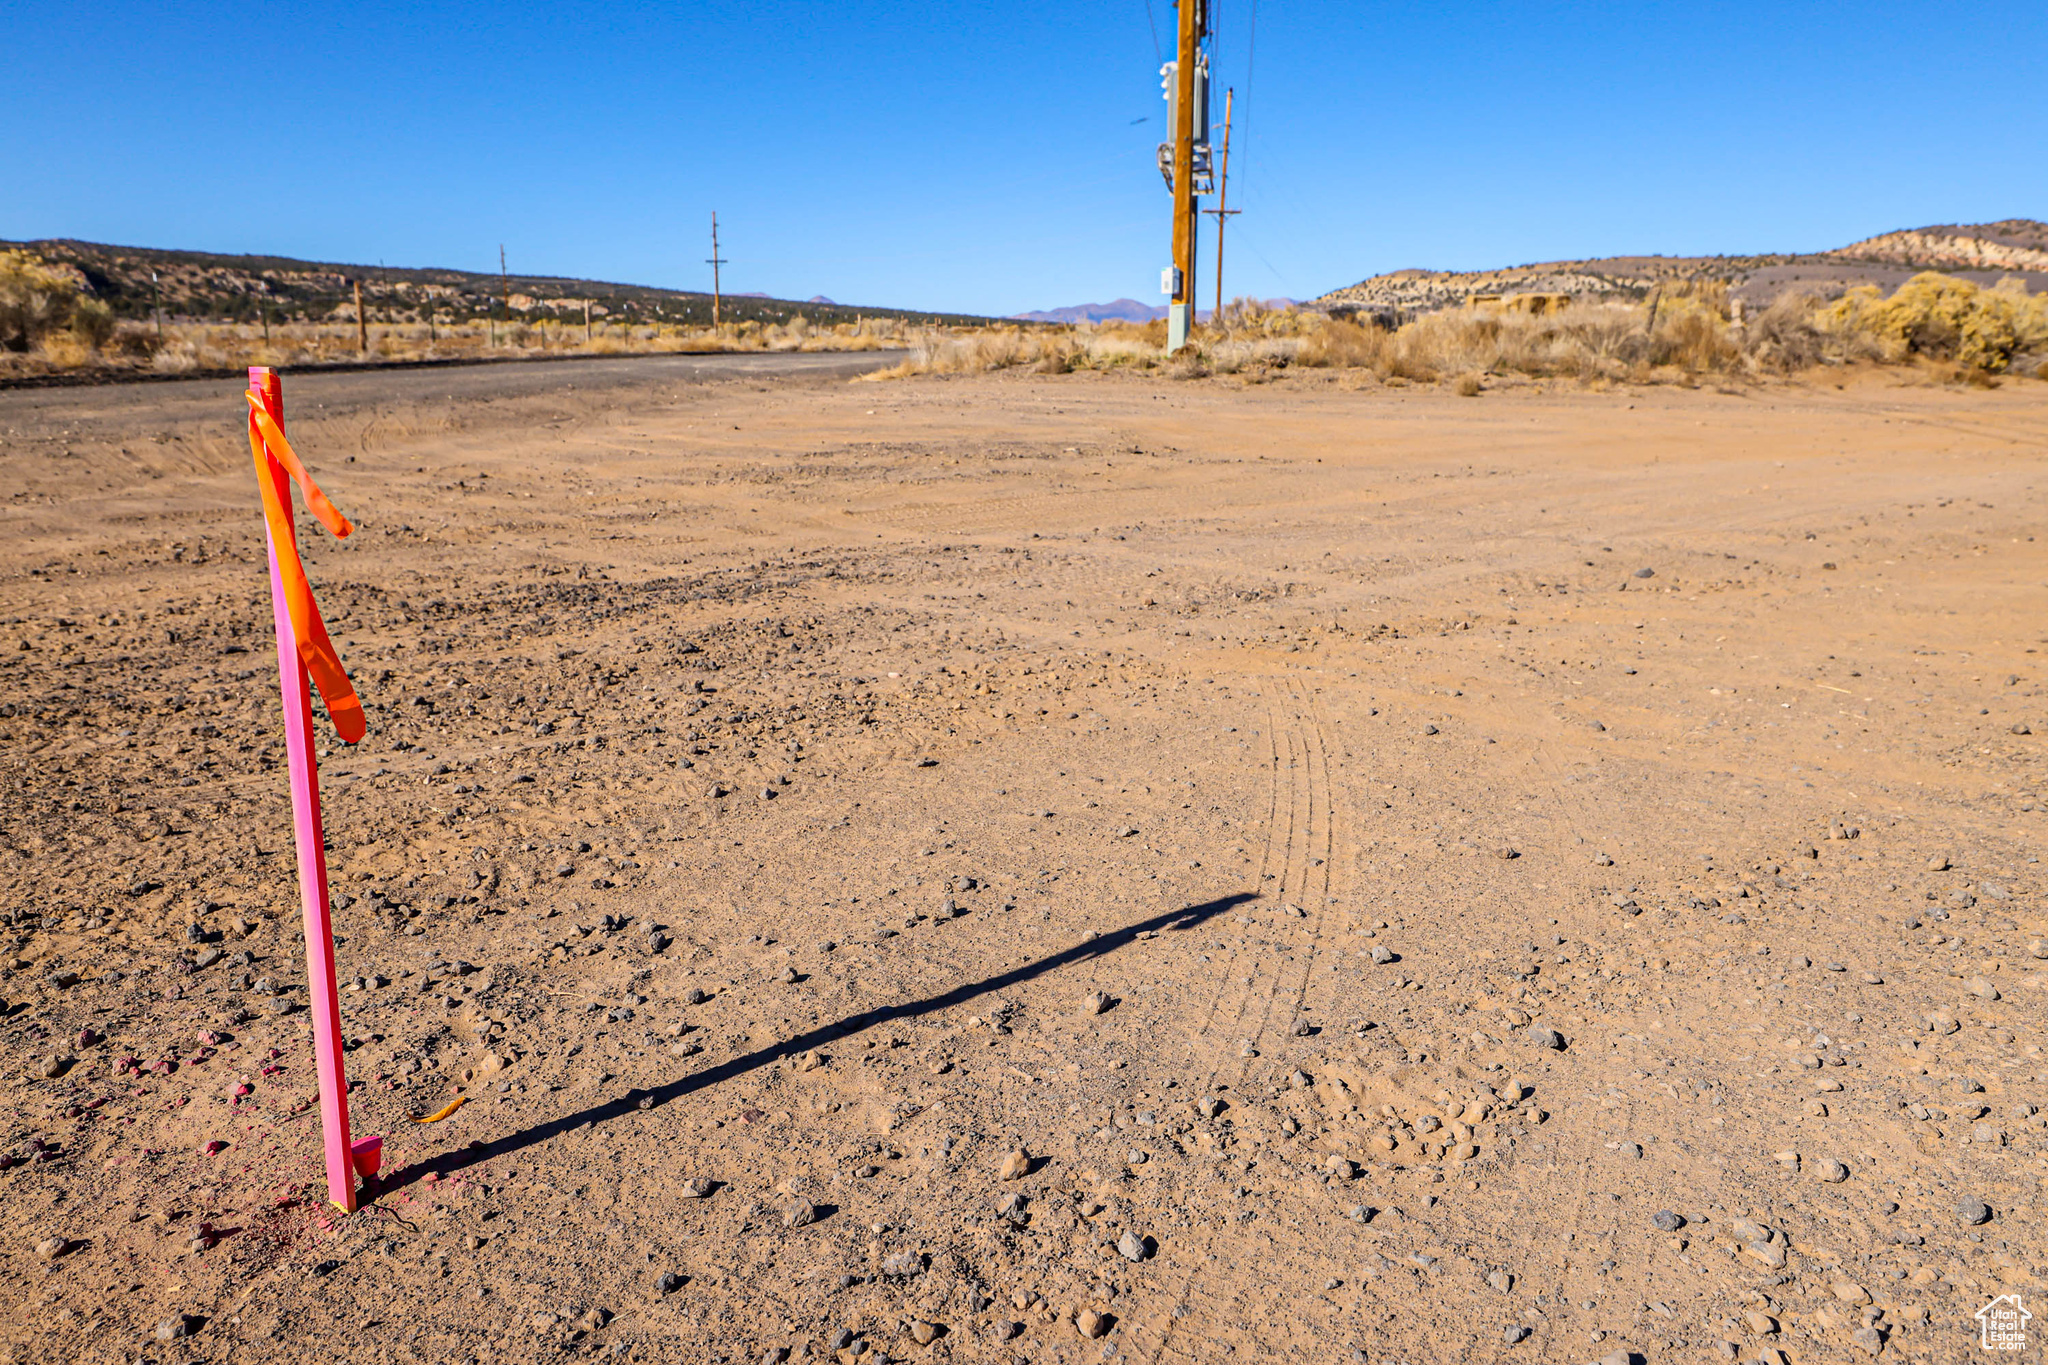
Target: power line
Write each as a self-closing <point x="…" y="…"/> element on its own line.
<point x="1251" y="64"/>
<point x="1153" y="24"/>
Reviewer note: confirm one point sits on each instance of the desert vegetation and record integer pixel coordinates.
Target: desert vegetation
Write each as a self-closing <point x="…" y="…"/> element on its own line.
<point x="1952" y="327"/>
<point x="51" y="324"/>
<point x="1947" y="327"/>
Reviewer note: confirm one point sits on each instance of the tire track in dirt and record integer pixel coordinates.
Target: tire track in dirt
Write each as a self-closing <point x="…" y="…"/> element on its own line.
<point x="1275" y="786"/>
<point x="1307" y="876"/>
<point x="1301" y="848"/>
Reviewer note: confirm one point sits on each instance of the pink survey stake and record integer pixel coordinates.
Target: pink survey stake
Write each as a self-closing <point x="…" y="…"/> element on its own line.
<point x="342" y="1160"/>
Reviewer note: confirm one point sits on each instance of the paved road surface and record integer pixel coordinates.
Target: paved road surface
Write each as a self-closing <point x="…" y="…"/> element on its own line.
<point x="29" y="414"/>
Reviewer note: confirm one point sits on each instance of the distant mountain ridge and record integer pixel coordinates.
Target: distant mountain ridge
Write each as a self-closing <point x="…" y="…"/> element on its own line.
<point x="1982" y="252"/>
<point x="1119" y="310"/>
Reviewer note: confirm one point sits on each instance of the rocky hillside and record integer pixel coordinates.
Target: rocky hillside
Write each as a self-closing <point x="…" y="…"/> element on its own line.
<point x="1983" y="252"/>
<point x="2015" y="244"/>
<point x="201" y="285"/>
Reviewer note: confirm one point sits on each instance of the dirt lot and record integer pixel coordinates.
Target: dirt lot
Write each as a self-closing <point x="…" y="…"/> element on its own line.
<point x="1561" y="868"/>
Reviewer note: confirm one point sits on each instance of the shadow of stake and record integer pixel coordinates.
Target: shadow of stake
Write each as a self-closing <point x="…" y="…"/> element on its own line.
<point x="449" y="1162"/>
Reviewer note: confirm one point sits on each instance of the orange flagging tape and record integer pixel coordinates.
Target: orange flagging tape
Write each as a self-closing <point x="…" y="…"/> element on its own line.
<point x="314" y="647"/>
<point x="444" y="1111"/>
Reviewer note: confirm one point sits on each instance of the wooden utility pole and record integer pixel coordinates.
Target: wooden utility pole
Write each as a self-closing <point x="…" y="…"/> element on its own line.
<point x="505" y="286"/>
<point x="586" y="322"/>
<point x="1222" y="209"/>
<point x="362" y="327"/>
<point x="156" y="296"/>
<point x="715" y="262"/>
<point x="1180" y="313"/>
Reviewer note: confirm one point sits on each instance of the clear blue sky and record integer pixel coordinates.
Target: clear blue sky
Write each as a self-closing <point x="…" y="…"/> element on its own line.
<point x="984" y="158"/>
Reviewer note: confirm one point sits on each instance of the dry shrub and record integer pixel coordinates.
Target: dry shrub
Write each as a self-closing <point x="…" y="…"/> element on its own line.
<point x="1784" y="337"/>
<point x="92" y="323"/>
<point x="1940" y="317"/>
<point x="1341" y="343"/>
<point x="1469" y="386"/>
<point x="35" y="299"/>
<point x="1693" y="335"/>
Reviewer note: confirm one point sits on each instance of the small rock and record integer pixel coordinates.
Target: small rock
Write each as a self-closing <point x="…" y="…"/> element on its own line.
<point x="1848" y="1291"/>
<point x="1095" y="1002"/>
<point x="1303" y="1029"/>
<point x="1833" y="1172"/>
<point x="1016" y="1165"/>
<point x="694" y="996"/>
<point x="1008" y="1331"/>
<point x="1770" y="1253"/>
<point x="1646" y="572"/>
<point x="1382" y="954"/>
<point x="1514" y="1334"/>
<point x="1667" y="1221"/>
<point x="787" y="976"/>
<point x="51" y="1248"/>
<point x="669" y="1283"/>
<point x="180" y="1327"/>
<point x="1938" y="863"/>
<point x="1500" y="1280"/>
<point x="800" y="1214"/>
<point x="1209" y="1106"/>
<point x="1760" y="1322"/>
<point x="1869" y="1340"/>
<point x="807" y="1060"/>
<point x="1542" y="1035"/>
<point x="1972" y="1212"/>
<point x="902" y="1265"/>
<point x="1981" y="988"/>
<point x="1091" y="1324"/>
<point x="924" y="1333"/>
<point x="53" y="1067"/>
<point x="697" y="1187"/>
<point x="1131" y="1247"/>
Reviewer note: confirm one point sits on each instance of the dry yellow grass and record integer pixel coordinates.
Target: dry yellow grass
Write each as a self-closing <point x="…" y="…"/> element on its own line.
<point x="1685" y="334"/>
<point x="89" y="340"/>
<point x="1961" y="330"/>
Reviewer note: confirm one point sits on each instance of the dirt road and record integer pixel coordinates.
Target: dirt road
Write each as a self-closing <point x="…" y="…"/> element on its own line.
<point x="1547" y="876"/>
